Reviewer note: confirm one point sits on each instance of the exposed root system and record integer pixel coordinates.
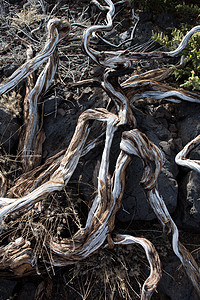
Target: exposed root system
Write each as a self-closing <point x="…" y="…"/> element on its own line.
<point x="38" y="242"/>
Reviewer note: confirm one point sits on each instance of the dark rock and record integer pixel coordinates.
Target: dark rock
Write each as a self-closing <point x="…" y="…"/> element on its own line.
<point x="145" y="16"/>
<point x="9" y="131"/>
<point x="189" y="128"/>
<point x="195" y="153"/>
<point x="188" y="212"/>
<point x="162" y="133"/>
<point x="125" y="23"/>
<point x="51" y="104"/>
<point x="61" y="118"/>
<point x="59" y="131"/>
<point x="178" y="144"/>
<point x="162" y="112"/>
<point x="135" y="203"/>
<point x="168" y="189"/>
<point x="27" y="291"/>
<point x="172" y="128"/>
<point x="174" y="282"/>
<point x="164" y="20"/>
<point x="86" y="183"/>
<point x="188" y="121"/>
<point x="9" y="69"/>
<point x="143" y="33"/>
<point x="6" y="289"/>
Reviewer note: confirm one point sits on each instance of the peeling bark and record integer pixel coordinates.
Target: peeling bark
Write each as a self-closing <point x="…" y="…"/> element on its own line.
<point x="41" y="181"/>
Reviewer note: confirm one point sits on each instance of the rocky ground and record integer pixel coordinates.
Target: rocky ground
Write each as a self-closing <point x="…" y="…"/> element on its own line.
<point x="118" y="273"/>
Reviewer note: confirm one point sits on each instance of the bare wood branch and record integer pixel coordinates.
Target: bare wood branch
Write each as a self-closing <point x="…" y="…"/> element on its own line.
<point x="182" y="160"/>
<point x="55" y="174"/>
<point x="155" y="272"/>
<point x="137" y="143"/>
<point x="57" y="30"/>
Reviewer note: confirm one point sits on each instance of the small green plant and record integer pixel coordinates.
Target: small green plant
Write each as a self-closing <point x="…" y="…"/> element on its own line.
<point x="189" y="12"/>
<point x="192" y="82"/>
<point x="189" y="76"/>
<point x="155" y="5"/>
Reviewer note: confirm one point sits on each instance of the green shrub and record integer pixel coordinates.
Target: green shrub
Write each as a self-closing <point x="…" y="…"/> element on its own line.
<point x="189" y="76"/>
<point x="156" y="5"/>
<point x="189" y="12"/>
<point x="192" y="82"/>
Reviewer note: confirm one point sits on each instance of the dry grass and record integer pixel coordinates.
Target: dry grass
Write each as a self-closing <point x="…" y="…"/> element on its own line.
<point x="29" y="15"/>
<point x="12" y="103"/>
<point x="116" y="274"/>
<point x="53" y="218"/>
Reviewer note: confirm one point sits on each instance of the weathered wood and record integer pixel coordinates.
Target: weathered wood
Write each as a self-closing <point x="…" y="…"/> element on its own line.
<point x="182" y="160"/>
<point x="136" y="143"/>
<point x="57" y="30"/>
<point x="37" y="184"/>
<point x="155" y="267"/>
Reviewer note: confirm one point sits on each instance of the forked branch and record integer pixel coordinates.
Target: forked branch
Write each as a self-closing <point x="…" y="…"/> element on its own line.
<point x="37" y="184"/>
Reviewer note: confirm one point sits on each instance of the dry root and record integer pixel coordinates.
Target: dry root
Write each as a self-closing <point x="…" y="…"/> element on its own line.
<point x="19" y="255"/>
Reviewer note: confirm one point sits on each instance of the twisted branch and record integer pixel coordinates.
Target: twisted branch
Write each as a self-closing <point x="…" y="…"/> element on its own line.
<point x="55" y="174"/>
<point x="57" y="30"/>
<point x="182" y="160"/>
<point x="139" y="145"/>
<point x="155" y="268"/>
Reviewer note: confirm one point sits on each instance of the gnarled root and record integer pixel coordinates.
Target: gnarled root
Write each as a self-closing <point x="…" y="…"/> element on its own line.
<point x="19" y="255"/>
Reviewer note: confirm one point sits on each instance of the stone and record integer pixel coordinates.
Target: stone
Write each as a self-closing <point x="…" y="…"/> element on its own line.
<point x="50" y="105"/>
<point x="58" y="131"/>
<point x="172" y="128"/>
<point x="6" y="289"/>
<point x="145" y="16"/>
<point x="9" y="69"/>
<point x="164" y="20"/>
<point x="124" y="36"/>
<point x="188" y="121"/>
<point x="9" y="131"/>
<point x="61" y="112"/>
<point x="135" y="204"/>
<point x="27" y="291"/>
<point x="143" y="33"/>
<point x="174" y="283"/>
<point x="188" y="212"/>
<point x="61" y="116"/>
<point x="162" y="112"/>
